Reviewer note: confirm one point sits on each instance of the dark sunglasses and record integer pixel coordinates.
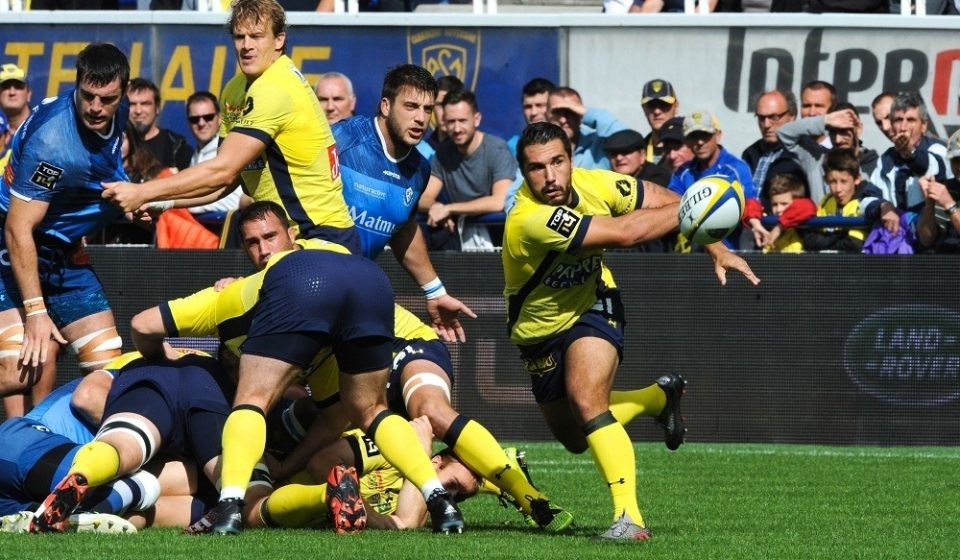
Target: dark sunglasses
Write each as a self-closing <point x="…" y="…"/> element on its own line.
<point x="195" y="119"/>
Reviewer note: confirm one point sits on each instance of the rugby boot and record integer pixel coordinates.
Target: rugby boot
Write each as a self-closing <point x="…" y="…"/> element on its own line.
<point x="625" y="530"/>
<point x="670" y="418"/>
<point x="225" y="518"/>
<point x="444" y="513"/>
<point x="343" y="500"/>
<point x="54" y="513"/>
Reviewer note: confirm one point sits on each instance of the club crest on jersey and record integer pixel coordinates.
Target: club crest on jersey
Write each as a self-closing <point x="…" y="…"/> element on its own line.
<point x="248" y="108"/>
<point x="407" y="196"/>
<point x="446" y="52"/>
<point x="563" y="221"/>
<point x="46" y="175"/>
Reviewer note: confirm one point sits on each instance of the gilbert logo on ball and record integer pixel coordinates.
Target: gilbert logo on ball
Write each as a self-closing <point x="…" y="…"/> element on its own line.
<point x="711" y="209"/>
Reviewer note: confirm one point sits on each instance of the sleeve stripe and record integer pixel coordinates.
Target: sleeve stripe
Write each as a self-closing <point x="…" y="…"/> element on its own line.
<point x="169" y="324"/>
<point x="578" y="237"/>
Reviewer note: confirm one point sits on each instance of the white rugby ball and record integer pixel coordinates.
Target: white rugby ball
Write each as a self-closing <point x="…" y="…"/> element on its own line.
<point x="711" y="209"/>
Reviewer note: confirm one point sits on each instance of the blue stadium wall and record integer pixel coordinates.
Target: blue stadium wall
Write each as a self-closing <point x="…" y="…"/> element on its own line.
<point x="828" y="349"/>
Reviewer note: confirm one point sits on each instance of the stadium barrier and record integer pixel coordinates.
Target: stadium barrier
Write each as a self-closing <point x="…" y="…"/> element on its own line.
<point x="832" y="349"/>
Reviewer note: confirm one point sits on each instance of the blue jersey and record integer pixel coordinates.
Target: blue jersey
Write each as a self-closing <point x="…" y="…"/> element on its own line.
<point x="382" y="193"/>
<point x="56" y="159"/>
<point x="56" y="413"/>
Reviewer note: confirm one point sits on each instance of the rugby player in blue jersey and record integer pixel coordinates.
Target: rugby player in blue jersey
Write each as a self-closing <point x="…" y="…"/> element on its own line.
<point x="49" y="200"/>
<point x="383" y="177"/>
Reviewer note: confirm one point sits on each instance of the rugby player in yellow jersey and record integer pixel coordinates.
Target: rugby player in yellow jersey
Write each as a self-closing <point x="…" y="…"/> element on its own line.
<point x="284" y="322"/>
<point x="420" y="382"/>
<point x="275" y="137"/>
<point x="565" y="312"/>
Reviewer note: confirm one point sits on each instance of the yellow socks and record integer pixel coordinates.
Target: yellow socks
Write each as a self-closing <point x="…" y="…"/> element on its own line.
<point x="294" y="505"/>
<point x="613" y="454"/>
<point x="97" y="461"/>
<point x="479" y="450"/>
<point x="400" y="446"/>
<point x="627" y="405"/>
<point x="244" y="437"/>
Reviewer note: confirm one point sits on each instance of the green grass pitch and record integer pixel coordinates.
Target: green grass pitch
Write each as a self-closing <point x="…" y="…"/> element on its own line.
<point x="705" y="501"/>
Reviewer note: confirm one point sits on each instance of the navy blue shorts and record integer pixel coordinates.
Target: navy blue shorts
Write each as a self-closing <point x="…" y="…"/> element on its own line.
<point x="173" y="397"/>
<point x="406" y="351"/>
<point x="69" y="285"/>
<point x="32" y="461"/>
<point x="314" y="299"/>
<point x="544" y="361"/>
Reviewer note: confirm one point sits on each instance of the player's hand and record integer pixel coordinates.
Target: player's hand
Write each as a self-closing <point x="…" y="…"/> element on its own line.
<point x="222" y="283"/>
<point x="725" y="259"/>
<point x="125" y="195"/>
<point x="444" y="317"/>
<point x="38" y="332"/>
<point x="421" y="425"/>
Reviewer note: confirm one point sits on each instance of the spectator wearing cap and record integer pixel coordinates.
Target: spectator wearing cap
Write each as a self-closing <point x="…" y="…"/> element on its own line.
<point x="626" y="152"/>
<point x="768" y="157"/>
<point x="586" y="128"/>
<point x="660" y="104"/>
<point x="938" y="228"/>
<point x="5" y="136"/>
<point x="701" y="133"/>
<point x="14" y="95"/>
<point x="676" y="153"/>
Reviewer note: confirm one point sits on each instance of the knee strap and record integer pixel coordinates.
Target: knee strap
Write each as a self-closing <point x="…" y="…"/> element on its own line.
<point x="94" y="350"/>
<point x="133" y="428"/>
<point x="11" y="341"/>
<point x="421" y="380"/>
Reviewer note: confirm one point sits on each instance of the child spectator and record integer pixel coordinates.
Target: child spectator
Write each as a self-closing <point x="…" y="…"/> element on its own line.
<point x="792" y="208"/>
<point x="850" y="196"/>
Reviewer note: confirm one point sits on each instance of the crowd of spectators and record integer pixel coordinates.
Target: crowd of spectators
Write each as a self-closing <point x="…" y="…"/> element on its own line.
<point x="808" y="162"/>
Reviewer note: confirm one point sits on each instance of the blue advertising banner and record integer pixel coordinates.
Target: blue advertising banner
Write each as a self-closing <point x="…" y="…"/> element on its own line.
<point x="182" y="59"/>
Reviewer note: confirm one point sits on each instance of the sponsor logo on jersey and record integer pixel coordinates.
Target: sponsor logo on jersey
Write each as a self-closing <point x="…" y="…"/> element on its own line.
<point x="563" y="221"/>
<point x="623" y="185"/>
<point x="566" y="275"/>
<point x="258" y="164"/>
<point x="446" y="52"/>
<point x="46" y="175"/>
<point x="369" y="191"/>
<point x="370" y="222"/>
<point x="391" y="174"/>
<point x="333" y="157"/>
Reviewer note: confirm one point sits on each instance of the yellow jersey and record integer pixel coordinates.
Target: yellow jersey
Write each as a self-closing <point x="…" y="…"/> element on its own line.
<point x="550" y="280"/>
<point x="299" y="168"/>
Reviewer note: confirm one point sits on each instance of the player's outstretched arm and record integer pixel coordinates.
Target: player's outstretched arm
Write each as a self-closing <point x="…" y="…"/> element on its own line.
<point x="631" y="229"/>
<point x="202" y="179"/>
<point x="724" y="259"/>
<point x="410" y="250"/>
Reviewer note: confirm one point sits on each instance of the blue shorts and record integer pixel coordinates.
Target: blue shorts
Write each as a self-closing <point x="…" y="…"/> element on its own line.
<point x="312" y="300"/>
<point x="69" y="285"/>
<point x="406" y="351"/>
<point x="173" y="396"/>
<point x="544" y="361"/>
<point x="32" y="461"/>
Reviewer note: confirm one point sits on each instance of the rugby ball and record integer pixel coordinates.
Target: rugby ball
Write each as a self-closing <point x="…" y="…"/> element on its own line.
<point x="711" y="209"/>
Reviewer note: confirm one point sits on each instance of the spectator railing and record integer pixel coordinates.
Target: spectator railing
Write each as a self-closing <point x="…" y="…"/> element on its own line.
<point x="821" y="222"/>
